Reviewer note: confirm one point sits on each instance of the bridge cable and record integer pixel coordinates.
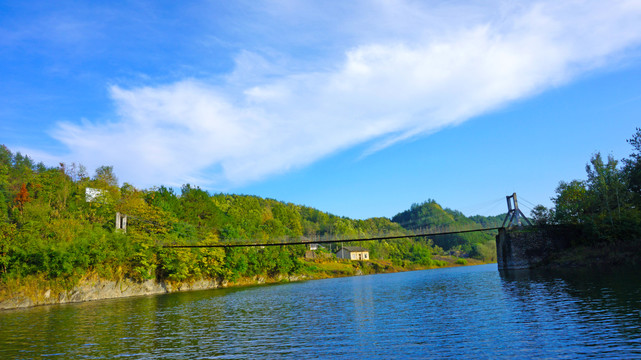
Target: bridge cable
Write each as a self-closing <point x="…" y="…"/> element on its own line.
<point x="332" y="241"/>
<point x="527" y="201"/>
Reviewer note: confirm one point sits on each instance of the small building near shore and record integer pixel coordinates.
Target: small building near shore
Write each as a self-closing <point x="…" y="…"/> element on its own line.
<point x="353" y="253"/>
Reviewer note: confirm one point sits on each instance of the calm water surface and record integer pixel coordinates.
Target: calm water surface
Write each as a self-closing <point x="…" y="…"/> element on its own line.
<point x="467" y="312"/>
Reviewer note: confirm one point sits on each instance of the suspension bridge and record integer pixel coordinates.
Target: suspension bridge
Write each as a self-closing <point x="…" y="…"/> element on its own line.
<point x="514" y="217"/>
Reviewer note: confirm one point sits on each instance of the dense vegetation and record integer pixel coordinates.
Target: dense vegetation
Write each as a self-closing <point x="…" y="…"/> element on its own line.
<point x="607" y="205"/>
<point x="52" y="228"/>
<point x="430" y="215"/>
<point x="49" y="231"/>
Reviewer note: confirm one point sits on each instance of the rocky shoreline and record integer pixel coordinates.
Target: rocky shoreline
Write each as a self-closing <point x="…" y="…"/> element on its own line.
<point x="93" y="287"/>
<point x="100" y="289"/>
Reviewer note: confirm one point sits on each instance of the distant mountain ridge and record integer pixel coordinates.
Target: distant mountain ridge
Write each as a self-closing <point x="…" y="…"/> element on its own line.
<point x="431" y="215"/>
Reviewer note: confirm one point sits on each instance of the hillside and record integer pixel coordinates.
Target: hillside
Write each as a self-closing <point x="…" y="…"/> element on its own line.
<point x="429" y="215"/>
<point x="58" y="225"/>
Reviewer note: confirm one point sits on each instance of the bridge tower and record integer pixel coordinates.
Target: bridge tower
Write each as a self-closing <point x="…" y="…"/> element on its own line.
<point x="514" y="213"/>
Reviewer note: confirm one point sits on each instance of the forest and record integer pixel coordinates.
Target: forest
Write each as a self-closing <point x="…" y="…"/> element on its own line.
<point x="606" y="206"/>
<point x="58" y="224"/>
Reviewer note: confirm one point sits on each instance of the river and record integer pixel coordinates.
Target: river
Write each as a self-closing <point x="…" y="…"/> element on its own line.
<point x="464" y="312"/>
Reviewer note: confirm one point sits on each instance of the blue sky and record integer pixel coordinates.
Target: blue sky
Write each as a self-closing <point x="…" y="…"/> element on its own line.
<point x="357" y="108"/>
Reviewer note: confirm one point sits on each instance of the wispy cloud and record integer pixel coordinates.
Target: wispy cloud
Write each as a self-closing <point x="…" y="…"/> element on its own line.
<point x="421" y="75"/>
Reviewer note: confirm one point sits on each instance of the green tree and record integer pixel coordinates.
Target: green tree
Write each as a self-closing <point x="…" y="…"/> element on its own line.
<point x="105" y="175"/>
<point x="606" y="188"/>
<point x="541" y="215"/>
<point x="569" y="202"/>
<point x="632" y="169"/>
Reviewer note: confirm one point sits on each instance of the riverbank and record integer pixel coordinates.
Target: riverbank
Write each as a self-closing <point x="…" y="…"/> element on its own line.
<point x="416" y="314"/>
<point x="562" y="246"/>
<point x="605" y="255"/>
<point x="37" y="291"/>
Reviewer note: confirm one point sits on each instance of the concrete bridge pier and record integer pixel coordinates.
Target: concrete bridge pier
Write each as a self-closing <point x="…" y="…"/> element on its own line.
<point x="532" y="246"/>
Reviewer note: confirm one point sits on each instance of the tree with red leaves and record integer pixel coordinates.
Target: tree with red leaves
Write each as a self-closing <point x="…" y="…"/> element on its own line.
<point x="22" y="197"/>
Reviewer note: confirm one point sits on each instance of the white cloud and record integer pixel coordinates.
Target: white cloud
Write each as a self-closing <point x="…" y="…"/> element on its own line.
<point x="263" y="120"/>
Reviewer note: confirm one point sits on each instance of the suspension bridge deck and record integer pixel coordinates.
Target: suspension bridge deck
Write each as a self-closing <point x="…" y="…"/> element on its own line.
<point x="333" y="241"/>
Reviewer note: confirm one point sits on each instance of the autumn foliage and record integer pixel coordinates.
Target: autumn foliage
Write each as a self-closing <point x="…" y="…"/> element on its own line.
<point x="22" y="197"/>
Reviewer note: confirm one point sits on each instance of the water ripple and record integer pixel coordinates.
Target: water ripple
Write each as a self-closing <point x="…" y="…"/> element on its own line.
<point x="470" y="312"/>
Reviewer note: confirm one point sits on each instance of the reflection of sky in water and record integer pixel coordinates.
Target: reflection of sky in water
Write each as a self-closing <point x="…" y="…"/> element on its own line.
<point x="468" y="312"/>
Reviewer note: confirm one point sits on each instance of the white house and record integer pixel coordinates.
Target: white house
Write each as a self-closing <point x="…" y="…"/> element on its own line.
<point x="353" y="253"/>
<point x="92" y="194"/>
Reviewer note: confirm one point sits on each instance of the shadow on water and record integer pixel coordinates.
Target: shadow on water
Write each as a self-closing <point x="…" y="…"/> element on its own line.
<point x="604" y="298"/>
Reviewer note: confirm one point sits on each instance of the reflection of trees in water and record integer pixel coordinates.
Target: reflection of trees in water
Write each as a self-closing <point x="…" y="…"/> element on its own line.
<point x="103" y="328"/>
<point x="602" y="300"/>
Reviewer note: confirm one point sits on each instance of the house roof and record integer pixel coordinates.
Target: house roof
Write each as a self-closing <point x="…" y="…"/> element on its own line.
<point x="354" y="249"/>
